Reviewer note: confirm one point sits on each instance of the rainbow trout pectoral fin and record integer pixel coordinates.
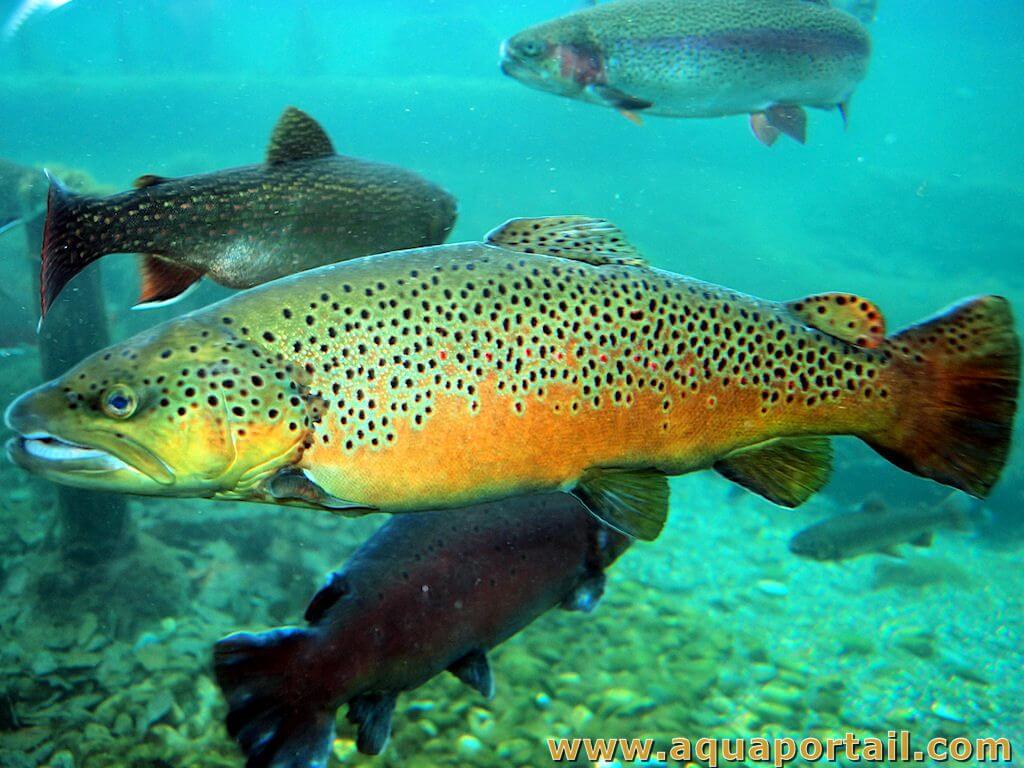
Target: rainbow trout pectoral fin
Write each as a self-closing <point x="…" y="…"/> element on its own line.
<point x="619" y="100"/>
<point x="846" y="316"/>
<point x="163" y="281"/>
<point x="786" y="471"/>
<point x="844" y="112"/>
<point x="586" y="594"/>
<point x="297" y="136"/>
<point x="475" y="671"/>
<point x="634" y="502"/>
<point x="777" y="120"/>
<point x="294" y="485"/>
<point x="580" y="238"/>
<point x="371" y="712"/>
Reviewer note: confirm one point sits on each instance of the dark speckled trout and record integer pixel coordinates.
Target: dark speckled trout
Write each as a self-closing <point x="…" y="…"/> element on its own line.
<point x="699" y="58"/>
<point x="426" y="593"/>
<point x="304" y="207"/>
<point x="549" y="357"/>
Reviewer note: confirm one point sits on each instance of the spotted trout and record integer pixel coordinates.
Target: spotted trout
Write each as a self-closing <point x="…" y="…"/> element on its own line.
<point x="699" y="58"/>
<point x="549" y="357"/>
<point x="304" y="207"/>
<point x="425" y="594"/>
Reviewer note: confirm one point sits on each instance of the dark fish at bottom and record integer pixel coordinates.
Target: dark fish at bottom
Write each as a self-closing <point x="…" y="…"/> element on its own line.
<point x="304" y="207"/>
<point x="427" y="593"/>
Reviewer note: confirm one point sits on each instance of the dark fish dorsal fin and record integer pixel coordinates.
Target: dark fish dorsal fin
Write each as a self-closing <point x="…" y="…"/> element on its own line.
<point x="337" y="587"/>
<point x="149" y="180"/>
<point x="297" y="136"/>
<point x="846" y="316"/>
<point x="786" y="471"/>
<point x="632" y="501"/>
<point x="581" y="238"/>
<point x="475" y="671"/>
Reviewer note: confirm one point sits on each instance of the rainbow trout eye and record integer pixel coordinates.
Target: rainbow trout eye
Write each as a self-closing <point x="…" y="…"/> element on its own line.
<point x="531" y="48"/>
<point x="119" y="402"/>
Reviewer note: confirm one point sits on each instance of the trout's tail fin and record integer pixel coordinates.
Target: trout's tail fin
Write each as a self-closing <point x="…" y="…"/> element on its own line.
<point x="962" y="369"/>
<point x="271" y="722"/>
<point x="67" y="247"/>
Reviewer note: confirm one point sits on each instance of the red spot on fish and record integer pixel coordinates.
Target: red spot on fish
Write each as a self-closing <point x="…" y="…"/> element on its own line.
<point x="653" y="366"/>
<point x="488" y="356"/>
<point x="443" y="355"/>
<point x="529" y="353"/>
<point x="603" y="358"/>
<point x="636" y="358"/>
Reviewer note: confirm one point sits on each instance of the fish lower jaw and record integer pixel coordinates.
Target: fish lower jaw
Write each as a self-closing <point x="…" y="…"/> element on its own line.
<point x="42" y="451"/>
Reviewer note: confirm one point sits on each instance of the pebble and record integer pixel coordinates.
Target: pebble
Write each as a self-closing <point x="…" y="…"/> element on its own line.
<point x="773" y="588"/>
<point x="542" y="701"/>
<point x="469" y="746"/>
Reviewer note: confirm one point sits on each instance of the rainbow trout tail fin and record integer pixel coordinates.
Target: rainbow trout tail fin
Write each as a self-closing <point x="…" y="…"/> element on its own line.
<point x="67" y="247"/>
<point x="961" y="371"/>
<point x="271" y="725"/>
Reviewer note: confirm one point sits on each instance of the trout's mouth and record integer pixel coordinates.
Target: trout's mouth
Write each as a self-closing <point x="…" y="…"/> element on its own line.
<point x="45" y="453"/>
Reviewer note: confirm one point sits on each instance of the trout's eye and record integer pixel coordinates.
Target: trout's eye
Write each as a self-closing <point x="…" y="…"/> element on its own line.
<point x="531" y="49"/>
<point x="119" y="402"/>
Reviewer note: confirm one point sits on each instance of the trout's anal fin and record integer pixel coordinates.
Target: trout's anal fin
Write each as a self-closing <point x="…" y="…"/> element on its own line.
<point x="580" y="238"/>
<point x="163" y="281"/>
<point x="777" y="120"/>
<point x="336" y="587"/>
<point x="586" y="594"/>
<point x="297" y="136"/>
<point x="371" y="712"/>
<point x="475" y="671"/>
<point x="632" y="501"/>
<point x="786" y="471"/>
<point x="294" y="485"/>
<point x="848" y="317"/>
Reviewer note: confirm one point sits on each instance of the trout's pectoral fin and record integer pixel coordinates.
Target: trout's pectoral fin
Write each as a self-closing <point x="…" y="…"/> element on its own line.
<point x="295" y="486"/>
<point x="371" y="712"/>
<point x="774" y="121"/>
<point x="786" y="471"/>
<point x="844" y="112"/>
<point x="580" y="238"/>
<point x="620" y="100"/>
<point x="586" y="594"/>
<point x="634" y="502"/>
<point x="163" y="282"/>
<point x="475" y="671"/>
<point x="846" y="316"/>
<point x="297" y="136"/>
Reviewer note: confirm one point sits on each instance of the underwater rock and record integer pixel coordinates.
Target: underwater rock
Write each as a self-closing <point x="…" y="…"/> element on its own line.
<point x="917" y="642"/>
<point x="772" y="588"/>
<point x="469" y="746"/>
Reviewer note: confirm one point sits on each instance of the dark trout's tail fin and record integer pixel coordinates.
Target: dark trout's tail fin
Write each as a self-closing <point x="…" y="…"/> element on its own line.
<point x="67" y="248"/>
<point x="961" y="373"/>
<point x="266" y="716"/>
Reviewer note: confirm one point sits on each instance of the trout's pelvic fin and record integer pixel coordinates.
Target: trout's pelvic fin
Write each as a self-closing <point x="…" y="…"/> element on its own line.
<point x="297" y="136"/>
<point x="634" y="502"/>
<point x="580" y="238"/>
<point x="372" y="712"/>
<point x="475" y="671"/>
<point x="163" y="282"/>
<point x="846" y="316"/>
<point x="786" y="471"/>
<point x="586" y="594"/>
<point x="777" y="120"/>
<point x="294" y="485"/>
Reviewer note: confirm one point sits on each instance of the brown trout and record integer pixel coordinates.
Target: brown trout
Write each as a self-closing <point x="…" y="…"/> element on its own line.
<point x="876" y="529"/>
<point x="549" y="357"/>
<point x="304" y="207"/>
<point x="699" y="58"/>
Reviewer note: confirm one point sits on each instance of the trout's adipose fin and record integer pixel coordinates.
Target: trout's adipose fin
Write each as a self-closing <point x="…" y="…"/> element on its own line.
<point x="632" y="501"/>
<point x="581" y="238"/>
<point x="250" y="669"/>
<point x="297" y="136"/>
<point x="149" y="180"/>
<point x="786" y="471"/>
<point x="777" y="120"/>
<point x="846" y="316"/>
<point x="372" y="712"/>
<point x="475" y="671"/>
<point x="954" y="419"/>
<point x="163" y="281"/>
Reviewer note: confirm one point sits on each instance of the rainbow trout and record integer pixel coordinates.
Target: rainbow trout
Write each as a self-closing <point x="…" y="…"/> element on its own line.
<point x="549" y="357"/>
<point x="699" y="58"/>
<point x="304" y="207"/>
<point x="426" y="593"/>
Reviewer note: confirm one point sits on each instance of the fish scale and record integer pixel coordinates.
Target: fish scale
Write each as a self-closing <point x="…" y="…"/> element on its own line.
<point x="549" y="357"/>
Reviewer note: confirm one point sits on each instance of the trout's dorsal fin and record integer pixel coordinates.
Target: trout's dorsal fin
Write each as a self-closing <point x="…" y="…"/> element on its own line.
<point x="846" y="316"/>
<point x="297" y="136"/>
<point x="634" y="502"/>
<point x="148" y="180"/>
<point x="581" y="238"/>
<point x="786" y="471"/>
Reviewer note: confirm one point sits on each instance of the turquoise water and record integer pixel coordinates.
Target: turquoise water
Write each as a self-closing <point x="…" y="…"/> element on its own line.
<point x="714" y="629"/>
